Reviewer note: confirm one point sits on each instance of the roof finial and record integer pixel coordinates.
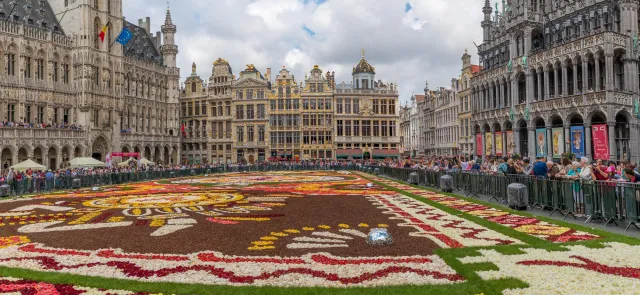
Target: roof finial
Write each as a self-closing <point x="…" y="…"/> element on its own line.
<point x="362" y="53"/>
<point x="167" y="20"/>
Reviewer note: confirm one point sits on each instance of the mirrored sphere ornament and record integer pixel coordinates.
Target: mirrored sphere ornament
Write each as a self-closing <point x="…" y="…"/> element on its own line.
<point x="379" y="236"/>
<point x="369" y="184"/>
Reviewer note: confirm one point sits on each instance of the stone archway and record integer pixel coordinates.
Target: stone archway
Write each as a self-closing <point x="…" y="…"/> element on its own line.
<point x="77" y="152"/>
<point x="99" y="148"/>
<point x="38" y="156"/>
<point x="7" y="158"/>
<point x="52" y="158"/>
<point x="23" y="155"/>
<point x="166" y="154"/>
<point x="156" y="155"/>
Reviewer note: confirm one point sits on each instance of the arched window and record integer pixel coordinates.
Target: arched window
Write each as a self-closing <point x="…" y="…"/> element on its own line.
<point x="193" y="87"/>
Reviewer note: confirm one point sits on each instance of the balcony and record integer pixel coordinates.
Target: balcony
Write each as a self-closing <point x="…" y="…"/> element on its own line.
<point x="38" y="134"/>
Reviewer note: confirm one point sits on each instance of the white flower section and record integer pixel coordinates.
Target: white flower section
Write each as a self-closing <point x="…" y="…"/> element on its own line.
<point x="219" y="269"/>
<point x="431" y="218"/>
<point x="581" y="270"/>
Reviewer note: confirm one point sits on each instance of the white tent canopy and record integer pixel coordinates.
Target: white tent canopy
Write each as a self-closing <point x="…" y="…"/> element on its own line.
<point x="126" y="163"/>
<point x="82" y="162"/>
<point x="28" y="164"/>
<point x="146" y="162"/>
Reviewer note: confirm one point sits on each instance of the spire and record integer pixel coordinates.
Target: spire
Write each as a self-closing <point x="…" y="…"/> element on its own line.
<point x="167" y="20"/>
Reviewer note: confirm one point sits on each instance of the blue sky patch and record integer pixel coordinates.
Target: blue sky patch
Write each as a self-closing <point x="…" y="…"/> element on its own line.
<point x="309" y="32"/>
<point x="407" y="7"/>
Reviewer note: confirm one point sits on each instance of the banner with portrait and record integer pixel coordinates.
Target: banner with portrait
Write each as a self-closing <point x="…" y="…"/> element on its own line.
<point x="541" y="142"/>
<point x="577" y="141"/>
<point x="511" y="144"/>
<point x="557" y="141"/>
<point x="499" y="144"/>
<point x="489" y="142"/>
<point x="479" y="144"/>
<point x="600" y="142"/>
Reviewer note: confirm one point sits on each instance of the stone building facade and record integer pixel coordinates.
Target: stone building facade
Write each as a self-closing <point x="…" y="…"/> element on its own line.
<point x="317" y="115"/>
<point x="405" y="131"/>
<point x="60" y="73"/>
<point x="195" y="120"/>
<point x="250" y="131"/>
<point x="441" y="116"/>
<point x="417" y="126"/>
<point x="553" y="67"/>
<point x="465" y="138"/>
<point x="285" y="120"/>
<point x="220" y="115"/>
<point x="366" y="116"/>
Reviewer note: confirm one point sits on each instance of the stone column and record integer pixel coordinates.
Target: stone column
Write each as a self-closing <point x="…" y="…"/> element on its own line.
<point x="529" y="87"/>
<point x="575" y="78"/>
<point x="597" y="76"/>
<point x="546" y="83"/>
<point x="539" y="80"/>
<point x="501" y="93"/>
<point x="504" y="141"/>
<point x="567" y="136"/>
<point x="608" y="63"/>
<point x="493" y="144"/>
<point x="585" y="76"/>
<point x="587" y="140"/>
<point x="634" y="143"/>
<point x="532" y="146"/>
<point x="549" y="144"/>
<point x="516" y="140"/>
<point x="565" y="84"/>
<point x="484" y="147"/>
<point x="490" y="102"/>
<point x="613" y="152"/>
<point x="475" y="145"/>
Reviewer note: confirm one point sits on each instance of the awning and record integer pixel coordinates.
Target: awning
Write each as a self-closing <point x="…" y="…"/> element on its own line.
<point x="28" y="164"/>
<point x="85" y="162"/>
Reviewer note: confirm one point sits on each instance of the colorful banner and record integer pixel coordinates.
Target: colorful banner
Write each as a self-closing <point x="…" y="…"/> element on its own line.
<point x="511" y="144"/>
<point x="557" y="141"/>
<point x="108" y="160"/>
<point x="489" y="142"/>
<point x="600" y="142"/>
<point x="499" y="144"/>
<point x="479" y="144"/>
<point x="577" y="141"/>
<point x="125" y="155"/>
<point x="541" y="142"/>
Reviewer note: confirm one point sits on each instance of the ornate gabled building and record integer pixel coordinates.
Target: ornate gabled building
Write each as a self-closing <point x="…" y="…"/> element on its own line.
<point x="193" y="113"/>
<point x="55" y="70"/>
<point x="405" y="131"/>
<point x="250" y="130"/>
<point x="441" y="116"/>
<point x="417" y="127"/>
<point x="317" y="115"/>
<point x="220" y="115"/>
<point x="555" y="73"/>
<point x="284" y="118"/>
<point x="366" y="116"/>
<point x="466" y="138"/>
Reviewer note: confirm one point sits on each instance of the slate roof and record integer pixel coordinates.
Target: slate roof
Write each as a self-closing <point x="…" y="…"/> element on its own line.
<point x="141" y="46"/>
<point x="36" y="13"/>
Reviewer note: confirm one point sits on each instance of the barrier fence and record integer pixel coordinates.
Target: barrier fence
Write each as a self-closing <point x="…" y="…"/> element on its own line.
<point x="609" y="201"/>
<point x="27" y="186"/>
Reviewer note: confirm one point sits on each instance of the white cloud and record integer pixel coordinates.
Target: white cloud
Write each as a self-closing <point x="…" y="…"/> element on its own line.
<point x="406" y="48"/>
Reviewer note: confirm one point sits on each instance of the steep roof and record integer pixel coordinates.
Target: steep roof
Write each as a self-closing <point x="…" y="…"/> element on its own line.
<point x="419" y="97"/>
<point x="475" y="69"/>
<point x="35" y="13"/>
<point x="141" y="46"/>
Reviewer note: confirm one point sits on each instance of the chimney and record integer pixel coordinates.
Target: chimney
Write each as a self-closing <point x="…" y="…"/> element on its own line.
<point x="268" y="76"/>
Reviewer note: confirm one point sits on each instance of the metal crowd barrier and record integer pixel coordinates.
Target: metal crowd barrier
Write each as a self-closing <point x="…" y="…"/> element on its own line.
<point x="609" y="201"/>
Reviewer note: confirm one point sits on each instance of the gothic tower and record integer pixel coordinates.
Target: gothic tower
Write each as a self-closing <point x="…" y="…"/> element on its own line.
<point x="486" y="23"/>
<point x="169" y="52"/>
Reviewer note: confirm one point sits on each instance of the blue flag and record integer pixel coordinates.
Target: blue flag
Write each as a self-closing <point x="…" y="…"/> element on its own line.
<point x="125" y="36"/>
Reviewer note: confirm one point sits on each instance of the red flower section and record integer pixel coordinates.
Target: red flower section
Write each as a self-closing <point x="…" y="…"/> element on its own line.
<point x="33" y="249"/>
<point x="133" y="270"/>
<point x="628" y="272"/>
<point x="212" y="257"/>
<point x="113" y="254"/>
<point x="332" y="261"/>
<point x="38" y="288"/>
<point x="221" y="221"/>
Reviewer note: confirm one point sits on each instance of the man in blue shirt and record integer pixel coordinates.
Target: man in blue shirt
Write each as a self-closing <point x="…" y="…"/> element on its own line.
<point x="540" y="168"/>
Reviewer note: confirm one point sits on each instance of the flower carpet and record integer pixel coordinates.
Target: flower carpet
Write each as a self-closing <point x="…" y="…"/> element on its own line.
<point x="291" y="229"/>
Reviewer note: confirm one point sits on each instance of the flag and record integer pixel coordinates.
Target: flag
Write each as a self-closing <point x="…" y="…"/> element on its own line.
<point x="125" y="36"/>
<point x="184" y="133"/>
<point x="103" y="33"/>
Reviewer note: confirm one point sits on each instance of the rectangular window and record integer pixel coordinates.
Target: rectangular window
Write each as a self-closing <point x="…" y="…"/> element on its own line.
<point x="40" y="118"/>
<point x="197" y="108"/>
<point x="11" y="64"/>
<point x="274" y="138"/>
<point x="288" y="104"/>
<point x="314" y="120"/>
<point x="55" y="115"/>
<point x="366" y="127"/>
<point x="392" y="107"/>
<point x="240" y="112"/>
<point x="28" y="114"/>
<point x="296" y="104"/>
<point x="356" y="127"/>
<point x="356" y="105"/>
<point x="280" y="104"/>
<point x="65" y="116"/>
<point x="11" y="112"/>
<point x="305" y="104"/>
<point x="204" y="108"/>
<point x="261" y="112"/>
<point x="384" y="107"/>
<point x="305" y="120"/>
<point x="228" y="132"/>
<point x="40" y="69"/>
<point x="250" y="114"/>
<point x="320" y="88"/>
<point x="260" y="93"/>
<point x="339" y="127"/>
<point x="327" y="105"/>
<point x="250" y="133"/>
<point x="272" y="104"/>
<point x="261" y="133"/>
<point x="347" y="106"/>
<point x="312" y="87"/>
<point x="339" y="106"/>
<point x="347" y="128"/>
<point x="214" y="131"/>
<point x="65" y="76"/>
<point x="27" y="70"/>
<point x="383" y="128"/>
<point x="313" y="104"/>
<point x="240" y="133"/>
<point x="238" y="94"/>
<point x="376" y="106"/>
<point x="392" y="128"/>
<point x="376" y="128"/>
<point x="250" y="94"/>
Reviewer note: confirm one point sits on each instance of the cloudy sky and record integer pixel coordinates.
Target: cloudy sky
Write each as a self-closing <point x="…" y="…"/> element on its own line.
<point x="408" y="42"/>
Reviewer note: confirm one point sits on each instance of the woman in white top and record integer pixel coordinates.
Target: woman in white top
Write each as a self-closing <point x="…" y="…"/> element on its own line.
<point x="585" y="175"/>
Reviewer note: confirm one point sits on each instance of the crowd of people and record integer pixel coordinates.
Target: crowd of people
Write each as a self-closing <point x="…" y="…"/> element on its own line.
<point x="10" y="124"/>
<point x="580" y="169"/>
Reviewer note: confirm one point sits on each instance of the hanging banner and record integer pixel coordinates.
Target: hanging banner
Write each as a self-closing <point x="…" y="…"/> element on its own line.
<point x="479" y="144"/>
<point x="489" y="141"/>
<point x="499" y="144"/>
<point x="541" y="142"/>
<point x="600" y="142"/>
<point x="108" y="160"/>
<point x="511" y="144"/>
<point x="577" y="141"/>
<point x="557" y="139"/>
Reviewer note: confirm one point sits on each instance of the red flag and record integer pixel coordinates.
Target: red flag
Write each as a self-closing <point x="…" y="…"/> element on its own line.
<point x="184" y="133"/>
